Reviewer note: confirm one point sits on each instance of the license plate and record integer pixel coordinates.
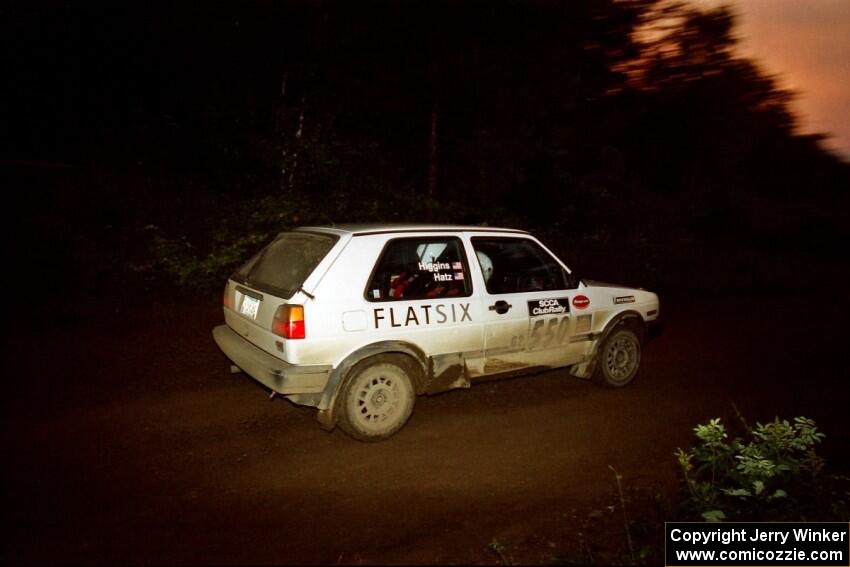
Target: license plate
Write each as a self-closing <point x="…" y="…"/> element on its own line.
<point x="249" y="306"/>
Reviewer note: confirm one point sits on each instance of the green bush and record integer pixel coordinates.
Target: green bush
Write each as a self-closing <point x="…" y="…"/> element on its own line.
<point x="773" y="472"/>
<point x="231" y="240"/>
<point x="205" y="260"/>
<point x="176" y="258"/>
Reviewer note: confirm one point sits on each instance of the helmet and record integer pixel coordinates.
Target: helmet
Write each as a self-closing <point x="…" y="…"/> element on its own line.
<point x="486" y="265"/>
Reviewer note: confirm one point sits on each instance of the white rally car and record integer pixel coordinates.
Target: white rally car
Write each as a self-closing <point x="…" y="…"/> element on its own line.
<point x="356" y="320"/>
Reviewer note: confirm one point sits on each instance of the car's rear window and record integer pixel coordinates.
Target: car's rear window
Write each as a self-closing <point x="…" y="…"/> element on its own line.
<point x="281" y="267"/>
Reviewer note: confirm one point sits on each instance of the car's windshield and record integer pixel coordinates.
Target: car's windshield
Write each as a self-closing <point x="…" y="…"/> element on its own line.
<point x="282" y="266"/>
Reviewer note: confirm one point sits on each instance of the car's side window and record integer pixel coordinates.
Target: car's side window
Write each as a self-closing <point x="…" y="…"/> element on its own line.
<point x="516" y="265"/>
<point x="420" y="268"/>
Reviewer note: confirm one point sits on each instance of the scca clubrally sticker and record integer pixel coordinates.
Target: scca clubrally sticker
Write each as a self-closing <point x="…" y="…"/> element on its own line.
<point x="551" y="306"/>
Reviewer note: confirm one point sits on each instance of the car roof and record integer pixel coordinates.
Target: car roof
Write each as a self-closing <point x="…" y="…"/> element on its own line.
<point x="356" y="229"/>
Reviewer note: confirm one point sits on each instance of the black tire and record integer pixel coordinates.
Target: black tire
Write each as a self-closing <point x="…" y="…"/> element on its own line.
<point x="377" y="397"/>
<point x="618" y="359"/>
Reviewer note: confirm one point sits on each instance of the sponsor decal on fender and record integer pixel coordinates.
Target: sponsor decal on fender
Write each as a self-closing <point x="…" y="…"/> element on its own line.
<point x="584" y="323"/>
<point x="553" y="306"/>
<point x="581" y="302"/>
<point x="624" y="299"/>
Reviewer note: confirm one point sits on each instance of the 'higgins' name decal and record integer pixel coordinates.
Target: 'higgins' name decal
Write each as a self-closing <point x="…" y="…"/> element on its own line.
<point x="421" y="315"/>
<point x="553" y="306"/>
<point x="624" y="299"/>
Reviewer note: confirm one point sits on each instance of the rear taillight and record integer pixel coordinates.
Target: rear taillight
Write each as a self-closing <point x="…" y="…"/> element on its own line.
<point x="289" y="322"/>
<point x="226" y="299"/>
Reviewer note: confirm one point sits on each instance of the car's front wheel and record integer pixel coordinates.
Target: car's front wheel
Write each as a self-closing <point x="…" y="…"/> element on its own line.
<point x="377" y="398"/>
<point x="618" y="359"/>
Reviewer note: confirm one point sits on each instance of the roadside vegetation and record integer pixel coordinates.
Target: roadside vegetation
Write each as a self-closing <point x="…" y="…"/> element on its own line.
<point x="771" y="472"/>
<point x="768" y="472"/>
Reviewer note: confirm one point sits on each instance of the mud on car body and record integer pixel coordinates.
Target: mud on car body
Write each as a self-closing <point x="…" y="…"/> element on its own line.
<point x="357" y="320"/>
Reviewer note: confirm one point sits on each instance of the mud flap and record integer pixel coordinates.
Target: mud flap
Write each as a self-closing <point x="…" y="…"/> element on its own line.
<point x="326" y="419"/>
<point x="584" y="370"/>
<point x="446" y="372"/>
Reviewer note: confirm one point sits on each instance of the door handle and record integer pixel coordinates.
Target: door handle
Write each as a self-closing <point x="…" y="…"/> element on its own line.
<point x="501" y="307"/>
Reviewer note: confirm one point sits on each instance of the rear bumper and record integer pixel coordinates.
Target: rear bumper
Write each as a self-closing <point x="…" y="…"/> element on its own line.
<point x="270" y="371"/>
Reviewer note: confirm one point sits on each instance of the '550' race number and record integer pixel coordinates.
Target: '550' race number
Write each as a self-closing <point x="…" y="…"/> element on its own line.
<point x="548" y="332"/>
<point x="544" y="333"/>
<point x="549" y="324"/>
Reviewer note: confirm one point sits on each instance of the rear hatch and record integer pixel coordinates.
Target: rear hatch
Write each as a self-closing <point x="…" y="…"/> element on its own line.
<point x="256" y="290"/>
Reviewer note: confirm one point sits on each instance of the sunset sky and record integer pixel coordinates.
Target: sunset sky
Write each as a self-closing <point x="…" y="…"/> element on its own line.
<point x="807" y="44"/>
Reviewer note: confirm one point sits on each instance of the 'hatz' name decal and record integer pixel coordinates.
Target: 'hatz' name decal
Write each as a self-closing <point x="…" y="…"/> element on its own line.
<point x="553" y="306"/>
<point x="421" y="315"/>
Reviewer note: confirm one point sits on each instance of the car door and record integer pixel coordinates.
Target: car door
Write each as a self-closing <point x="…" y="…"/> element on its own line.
<point x="421" y="292"/>
<point x="526" y="304"/>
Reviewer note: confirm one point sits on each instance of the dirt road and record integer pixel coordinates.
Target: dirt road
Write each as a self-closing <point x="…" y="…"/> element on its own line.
<point x="126" y="440"/>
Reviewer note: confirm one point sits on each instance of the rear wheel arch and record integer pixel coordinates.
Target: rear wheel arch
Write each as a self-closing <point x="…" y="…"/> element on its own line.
<point x="376" y="397"/>
<point x="417" y="365"/>
<point x="417" y="362"/>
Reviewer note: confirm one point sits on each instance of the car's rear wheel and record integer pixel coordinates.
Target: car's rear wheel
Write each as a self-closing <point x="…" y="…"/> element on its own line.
<point x="377" y="398"/>
<point x="618" y="359"/>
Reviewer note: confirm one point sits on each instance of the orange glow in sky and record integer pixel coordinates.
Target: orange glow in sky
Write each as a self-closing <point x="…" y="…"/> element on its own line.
<point x="806" y="43"/>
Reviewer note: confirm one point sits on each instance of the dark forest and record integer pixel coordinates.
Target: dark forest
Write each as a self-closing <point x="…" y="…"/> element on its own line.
<point x="629" y="130"/>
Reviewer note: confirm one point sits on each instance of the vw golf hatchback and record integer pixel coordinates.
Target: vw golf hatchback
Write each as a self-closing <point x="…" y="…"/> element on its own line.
<point x="357" y="320"/>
